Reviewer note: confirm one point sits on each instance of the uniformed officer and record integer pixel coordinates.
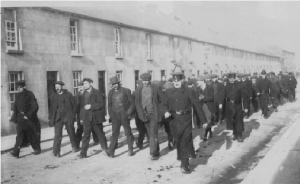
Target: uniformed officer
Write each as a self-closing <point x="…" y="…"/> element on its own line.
<point x="254" y="92"/>
<point x="264" y="87"/>
<point x="178" y="103"/>
<point x="247" y="88"/>
<point x="292" y="87"/>
<point x="275" y="89"/>
<point x="218" y="98"/>
<point x="234" y="107"/>
<point x="25" y="117"/>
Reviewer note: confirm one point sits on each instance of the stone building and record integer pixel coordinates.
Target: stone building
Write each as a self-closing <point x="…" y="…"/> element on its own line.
<point x="43" y="45"/>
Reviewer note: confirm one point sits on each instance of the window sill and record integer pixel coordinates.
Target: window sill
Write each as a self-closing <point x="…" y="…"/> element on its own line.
<point x="149" y="59"/>
<point x="76" y="55"/>
<point x="15" y="51"/>
<point x="118" y="57"/>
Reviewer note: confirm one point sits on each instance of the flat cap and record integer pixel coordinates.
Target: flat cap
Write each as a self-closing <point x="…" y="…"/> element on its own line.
<point x="168" y="85"/>
<point x="139" y="83"/>
<point x="59" y="82"/>
<point x="239" y="75"/>
<point x="170" y="79"/>
<point x="146" y="77"/>
<point x="190" y="82"/>
<point x="87" y="79"/>
<point x="214" y="76"/>
<point x="21" y="83"/>
<point x="231" y="74"/>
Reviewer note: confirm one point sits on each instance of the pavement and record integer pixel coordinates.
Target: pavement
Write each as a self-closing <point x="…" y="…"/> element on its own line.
<point x="281" y="165"/>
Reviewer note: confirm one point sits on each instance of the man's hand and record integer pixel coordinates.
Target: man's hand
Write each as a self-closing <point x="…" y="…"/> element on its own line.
<point x="87" y="107"/>
<point x="205" y="125"/>
<point x="25" y="117"/>
<point x="258" y="94"/>
<point x="246" y="110"/>
<point x="220" y="106"/>
<point x="167" y="114"/>
<point x="201" y="96"/>
<point x="81" y="122"/>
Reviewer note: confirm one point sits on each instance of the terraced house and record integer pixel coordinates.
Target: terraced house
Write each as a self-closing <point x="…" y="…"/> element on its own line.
<point x="43" y="45"/>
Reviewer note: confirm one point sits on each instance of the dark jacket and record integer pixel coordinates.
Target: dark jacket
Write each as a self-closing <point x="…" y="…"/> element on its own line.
<point x="127" y="101"/>
<point x="97" y="106"/>
<point x="264" y="85"/>
<point x="208" y="99"/>
<point x="275" y="87"/>
<point x="292" y="82"/>
<point x="157" y="96"/>
<point x="69" y="104"/>
<point x="219" y="93"/>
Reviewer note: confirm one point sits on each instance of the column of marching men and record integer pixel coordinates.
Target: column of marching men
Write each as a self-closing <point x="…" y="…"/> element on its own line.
<point x="178" y="104"/>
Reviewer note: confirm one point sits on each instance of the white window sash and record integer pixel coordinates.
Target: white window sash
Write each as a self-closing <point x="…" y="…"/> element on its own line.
<point x="8" y="38"/>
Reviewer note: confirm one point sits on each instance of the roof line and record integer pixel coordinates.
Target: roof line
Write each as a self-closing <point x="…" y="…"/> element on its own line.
<point x="147" y="30"/>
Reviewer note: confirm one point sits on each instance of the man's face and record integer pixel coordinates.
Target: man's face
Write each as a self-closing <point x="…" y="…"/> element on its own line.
<point x="214" y="79"/>
<point x="238" y="79"/>
<point x="231" y="79"/>
<point x="263" y="76"/>
<point x="146" y="83"/>
<point x="116" y="86"/>
<point x="163" y="78"/>
<point x="58" y="88"/>
<point x="253" y="81"/>
<point x="20" y="88"/>
<point x="244" y="78"/>
<point x="177" y="83"/>
<point x="87" y="85"/>
<point x="200" y="83"/>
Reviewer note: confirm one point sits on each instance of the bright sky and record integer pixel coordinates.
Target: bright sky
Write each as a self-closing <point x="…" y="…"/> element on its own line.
<point x="259" y="23"/>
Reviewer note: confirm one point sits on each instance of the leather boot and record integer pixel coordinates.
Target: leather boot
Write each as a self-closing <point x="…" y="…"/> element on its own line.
<point x="15" y="153"/>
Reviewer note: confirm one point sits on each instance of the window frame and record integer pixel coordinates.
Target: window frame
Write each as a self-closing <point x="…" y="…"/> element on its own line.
<point x="78" y="74"/>
<point x="118" y="43"/>
<point x="20" y="76"/>
<point x="7" y="32"/>
<point x="149" y="47"/>
<point x="119" y="74"/>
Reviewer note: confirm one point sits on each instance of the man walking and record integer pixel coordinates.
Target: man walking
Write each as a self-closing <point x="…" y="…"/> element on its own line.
<point x="292" y="87"/>
<point x="62" y="112"/>
<point x="91" y="116"/>
<point x="178" y="103"/>
<point x="25" y="117"/>
<point x="120" y="109"/>
<point x="264" y="87"/>
<point x="147" y="101"/>
<point x="275" y="90"/>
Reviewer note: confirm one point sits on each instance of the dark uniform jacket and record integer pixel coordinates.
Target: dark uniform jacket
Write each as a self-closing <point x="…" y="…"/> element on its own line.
<point x="96" y="111"/>
<point x="69" y="107"/>
<point x="292" y="82"/>
<point x="264" y="86"/>
<point x="285" y="84"/>
<point x="26" y="105"/>
<point x="219" y="93"/>
<point x="157" y="96"/>
<point x="247" y="87"/>
<point x="275" y="87"/>
<point x="254" y="90"/>
<point x="128" y="102"/>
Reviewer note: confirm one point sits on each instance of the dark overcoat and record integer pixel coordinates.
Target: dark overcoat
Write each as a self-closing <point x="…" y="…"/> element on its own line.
<point x="183" y="99"/>
<point x="208" y="99"/>
<point x="69" y="105"/>
<point x="127" y="101"/>
<point x="26" y="105"/>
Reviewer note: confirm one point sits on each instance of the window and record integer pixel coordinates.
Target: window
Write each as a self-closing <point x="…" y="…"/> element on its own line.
<point x="119" y="75"/>
<point x="10" y="29"/>
<point x="172" y="47"/>
<point x="77" y="77"/>
<point x="13" y="77"/>
<point x="118" y="44"/>
<point x="162" y="73"/>
<point x="75" y="40"/>
<point x="12" y="33"/>
<point x="198" y="72"/>
<point x="151" y="73"/>
<point x="149" y="46"/>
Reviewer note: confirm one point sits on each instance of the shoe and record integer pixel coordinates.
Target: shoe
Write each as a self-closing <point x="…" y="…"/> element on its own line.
<point x="15" y="153"/>
<point x="171" y="145"/>
<point x="37" y="152"/>
<point x="153" y="157"/>
<point x="105" y="152"/>
<point x="239" y="139"/>
<point x="234" y="138"/>
<point x="130" y="153"/>
<point x="185" y="169"/>
<point x="55" y="154"/>
<point x="74" y="150"/>
<point x="81" y="155"/>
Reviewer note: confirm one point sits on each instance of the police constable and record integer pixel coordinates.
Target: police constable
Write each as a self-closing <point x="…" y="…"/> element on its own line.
<point x="264" y="87"/>
<point x="254" y="92"/>
<point x="25" y="117"/>
<point x="247" y="88"/>
<point x="275" y="90"/>
<point x="234" y="112"/>
<point x="120" y="109"/>
<point x="62" y="113"/>
<point x="292" y="87"/>
<point x="218" y="98"/>
<point x="178" y="103"/>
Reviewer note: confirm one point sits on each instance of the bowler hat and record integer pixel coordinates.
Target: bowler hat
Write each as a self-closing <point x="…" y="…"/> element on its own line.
<point x="177" y="71"/>
<point x="59" y="83"/>
<point x="114" y="80"/>
<point x="263" y="72"/>
<point x="146" y="77"/>
<point x="87" y="79"/>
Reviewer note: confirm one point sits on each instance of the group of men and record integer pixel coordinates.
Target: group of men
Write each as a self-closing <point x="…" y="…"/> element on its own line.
<point x="176" y="104"/>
